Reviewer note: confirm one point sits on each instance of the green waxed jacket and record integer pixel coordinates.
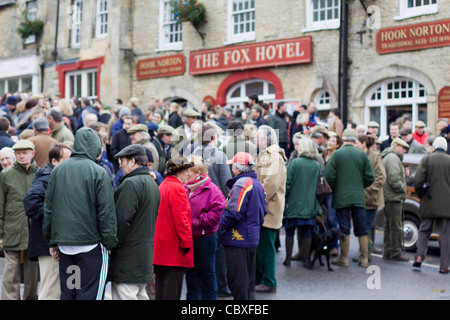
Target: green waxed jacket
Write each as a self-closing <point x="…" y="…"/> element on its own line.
<point x="349" y="171"/>
<point x="14" y="226"/>
<point x="79" y="204"/>
<point x="395" y="186"/>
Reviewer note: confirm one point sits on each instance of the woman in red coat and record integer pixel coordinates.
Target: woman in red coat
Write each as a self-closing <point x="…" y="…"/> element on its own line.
<point x="172" y="250"/>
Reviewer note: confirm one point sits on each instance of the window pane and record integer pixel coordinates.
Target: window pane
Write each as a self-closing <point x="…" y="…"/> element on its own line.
<point x="254" y="88"/>
<point x="2" y="87"/>
<point x="26" y="84"/>
<point x="13" y="85"/>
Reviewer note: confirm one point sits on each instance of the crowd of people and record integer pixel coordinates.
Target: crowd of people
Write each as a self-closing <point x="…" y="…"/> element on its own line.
<point x="149" y="199"/>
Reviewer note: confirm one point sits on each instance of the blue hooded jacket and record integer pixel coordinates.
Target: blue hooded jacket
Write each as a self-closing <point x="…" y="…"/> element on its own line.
<point x="244" y="212"/>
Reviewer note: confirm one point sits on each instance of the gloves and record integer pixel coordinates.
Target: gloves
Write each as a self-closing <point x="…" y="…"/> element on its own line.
<point x="185" y="250"/>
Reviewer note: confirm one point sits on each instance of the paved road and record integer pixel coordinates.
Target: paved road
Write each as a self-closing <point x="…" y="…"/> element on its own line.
<point x="385" y="280"/>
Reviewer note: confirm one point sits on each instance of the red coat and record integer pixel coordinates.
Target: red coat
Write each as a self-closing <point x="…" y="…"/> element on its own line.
<point x="173" y="229"/>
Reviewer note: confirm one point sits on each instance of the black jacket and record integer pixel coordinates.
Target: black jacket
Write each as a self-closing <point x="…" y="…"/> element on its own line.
<point x="34" y="209"/>
<point x="5" y="140"/>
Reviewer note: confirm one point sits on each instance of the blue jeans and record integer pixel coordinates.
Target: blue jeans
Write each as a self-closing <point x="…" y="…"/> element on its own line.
<point x="201" y="280"/>
<point x="357" y="215"/>
<point x="371" y="215"/>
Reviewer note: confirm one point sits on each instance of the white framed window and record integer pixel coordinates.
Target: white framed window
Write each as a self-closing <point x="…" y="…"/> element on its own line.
<point x="82" y="83"/>
<point x="322" y="14"/>
<point x="414" y="8"/>
<point x="241" y="21"/>
<point x="322" y="100"/>
<point x="77" y="18"/>
<point x="101" y="22"/>
<point x="32" y="9"/>
<point x="393" y="98"/>
<point x="17" y="84"/>
<point x="238" y="95"/>
<point x="170" y="31"/>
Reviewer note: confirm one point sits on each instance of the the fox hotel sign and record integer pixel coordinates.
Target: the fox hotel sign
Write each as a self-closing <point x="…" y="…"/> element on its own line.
<point x="251" y="56"/>
<point x="414" y="37"/>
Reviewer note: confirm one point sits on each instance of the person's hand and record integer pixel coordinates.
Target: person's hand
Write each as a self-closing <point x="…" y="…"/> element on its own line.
<point x="185" y="250"/>
<point x="153" y="175"/>
<point x="54" y="252"/>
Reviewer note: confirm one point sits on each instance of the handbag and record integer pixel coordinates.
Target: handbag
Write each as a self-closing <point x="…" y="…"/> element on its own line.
<point x="323" y="188"/>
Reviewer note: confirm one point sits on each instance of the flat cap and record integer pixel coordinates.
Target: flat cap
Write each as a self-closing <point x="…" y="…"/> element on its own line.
<point x="166" y="129"/>
<point x="349" y="134"/>
<point x="373" y="124"/>
<point x="138" y="128"/>
<point x="131" y="151"/>
<point x="23" y="145"/>
<point x="400" y="142"/>
<point x="191" y="113"/>
<point x="419" y="124"/>
<point x="405" y="131"/>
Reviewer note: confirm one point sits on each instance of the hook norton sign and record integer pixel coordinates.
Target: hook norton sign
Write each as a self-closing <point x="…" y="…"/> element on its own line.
<point x="414" y="37"/>
<point x="161" y="67"/>
<point x="250" y="56"/>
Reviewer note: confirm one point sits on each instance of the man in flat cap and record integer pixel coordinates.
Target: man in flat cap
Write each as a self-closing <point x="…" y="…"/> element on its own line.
<point x="42" y="141"/>
<point x="163" y="143"/>
<point x="14" y="229"/>
<point x="373" y="128"/>
<point x="394" y="193"/>
<point x="414" y="146"/>
<point x="139" y="135"/>
<point x="419" y="134"/>
<point x="349" y="172"/>
<point x="184" y="131"/>
<point x="137" y="201"/>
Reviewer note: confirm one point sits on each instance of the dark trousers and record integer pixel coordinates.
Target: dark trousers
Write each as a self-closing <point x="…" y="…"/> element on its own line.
<point x="357" y="215"/>
<point x="168" y="282"/>
<point x="241" y="272"/>
<point x="201" y="280"/>
<point x="83" y="275"/>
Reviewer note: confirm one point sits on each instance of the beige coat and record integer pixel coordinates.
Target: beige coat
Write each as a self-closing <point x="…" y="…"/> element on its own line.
<point x="271" y="171"/>
<point x="374" y="193"/>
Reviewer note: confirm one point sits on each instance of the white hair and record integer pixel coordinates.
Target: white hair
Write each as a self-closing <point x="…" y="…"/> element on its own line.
<point x="440" y="143"/>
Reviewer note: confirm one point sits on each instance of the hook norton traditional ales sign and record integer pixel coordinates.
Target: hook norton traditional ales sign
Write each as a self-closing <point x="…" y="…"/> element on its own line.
<point x="414" y="37"/>
<point x="251" y="56"/>
<point x="161" y="67"/>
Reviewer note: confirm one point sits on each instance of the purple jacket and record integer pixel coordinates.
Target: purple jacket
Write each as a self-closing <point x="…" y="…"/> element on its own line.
<point x="207" y="203"/>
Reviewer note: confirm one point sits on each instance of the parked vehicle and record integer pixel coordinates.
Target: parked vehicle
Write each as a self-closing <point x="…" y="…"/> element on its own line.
<point x="411" y="219"/>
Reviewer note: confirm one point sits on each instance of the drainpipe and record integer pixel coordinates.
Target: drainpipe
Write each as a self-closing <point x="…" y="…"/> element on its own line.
<point x="55" y="51"/>
<point x="343" y="63"/>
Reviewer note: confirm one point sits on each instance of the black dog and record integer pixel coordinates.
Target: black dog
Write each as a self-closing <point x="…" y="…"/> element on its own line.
<point x="321" y="245"/>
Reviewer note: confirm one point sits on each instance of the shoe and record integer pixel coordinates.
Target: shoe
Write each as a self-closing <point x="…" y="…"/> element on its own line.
<point x="400" y="257"/>
<point x="444" y="271"/>
<point x="265" y="289"/>
<point x="334" y="252"/>
<point x="224" y="294"/>
<point x="417" y="262"/>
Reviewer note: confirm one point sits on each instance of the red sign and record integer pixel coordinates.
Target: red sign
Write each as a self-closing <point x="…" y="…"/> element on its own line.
<point x="414" y="37"/>
<point x="161" y="67"/>
<point x="444" y="103"/>
<point x="249" y="56"/>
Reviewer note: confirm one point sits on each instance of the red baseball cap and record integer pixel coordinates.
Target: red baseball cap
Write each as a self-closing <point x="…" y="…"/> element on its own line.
<point x="243" y="158"/>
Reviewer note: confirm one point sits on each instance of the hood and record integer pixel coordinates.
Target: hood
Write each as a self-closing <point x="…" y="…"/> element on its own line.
<point x="232" y="181"/>
<point x="87" y="144"/>
<point x="44" y="171"/>
<point x="390" y="150"/>
<point x="276" y="149"/>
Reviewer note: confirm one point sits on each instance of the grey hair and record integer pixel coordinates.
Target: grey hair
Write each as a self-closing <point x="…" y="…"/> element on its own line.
<point x="307" y="148"/>
<point x="244" y="168"/>
<point x="267" y="132"/>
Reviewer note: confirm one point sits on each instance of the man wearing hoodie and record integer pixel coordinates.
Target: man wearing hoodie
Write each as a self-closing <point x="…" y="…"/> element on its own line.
<point x="394" y="193"/>
<point x="80" y="219"/>
<point x="271" y="172"/>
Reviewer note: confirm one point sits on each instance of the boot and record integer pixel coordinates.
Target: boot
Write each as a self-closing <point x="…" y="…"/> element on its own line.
<point x="364" y="250"/>
<point x="298" y="256"/>
<point x="289" y="246"/>
<point x="342" y="261"/>
<point x="306" y="250"/>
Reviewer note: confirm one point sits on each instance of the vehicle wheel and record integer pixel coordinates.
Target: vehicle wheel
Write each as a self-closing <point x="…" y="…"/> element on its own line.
<point x="410" y="232"/>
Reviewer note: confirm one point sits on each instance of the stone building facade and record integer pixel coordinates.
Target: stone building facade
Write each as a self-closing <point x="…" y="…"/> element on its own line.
<point x="280" y="50"/>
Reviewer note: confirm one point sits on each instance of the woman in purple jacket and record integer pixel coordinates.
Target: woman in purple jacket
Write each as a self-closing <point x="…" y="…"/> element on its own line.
<point x="207" y="203"/>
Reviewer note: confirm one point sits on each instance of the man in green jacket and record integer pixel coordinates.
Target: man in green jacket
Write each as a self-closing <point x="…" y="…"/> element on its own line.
<point x="80" y="219"/>
<point x="137" y="202"/>
<point x="14" y="230"/>
<point x="349" y="171"/>
<point x="394" y="193"/>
